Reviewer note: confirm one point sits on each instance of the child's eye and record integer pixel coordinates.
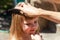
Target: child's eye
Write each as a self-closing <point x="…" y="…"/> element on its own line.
<point x="28" y="24"/>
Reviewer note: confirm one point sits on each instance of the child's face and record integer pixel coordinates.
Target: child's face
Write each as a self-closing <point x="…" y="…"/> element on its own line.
<point x="30" y="26"/>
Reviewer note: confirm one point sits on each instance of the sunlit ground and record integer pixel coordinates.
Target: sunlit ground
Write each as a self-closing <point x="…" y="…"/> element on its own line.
<point x="4" y="36"/>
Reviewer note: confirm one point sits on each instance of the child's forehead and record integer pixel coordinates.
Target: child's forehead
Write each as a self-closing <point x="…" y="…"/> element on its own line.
<point x="31" y="20"/>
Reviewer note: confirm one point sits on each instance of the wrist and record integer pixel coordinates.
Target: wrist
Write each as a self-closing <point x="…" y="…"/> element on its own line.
<point x="40" y="11"/>
<point x="43" y="12"/>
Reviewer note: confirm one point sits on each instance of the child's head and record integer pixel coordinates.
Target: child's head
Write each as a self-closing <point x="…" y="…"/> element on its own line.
<point x="21" y="25"/>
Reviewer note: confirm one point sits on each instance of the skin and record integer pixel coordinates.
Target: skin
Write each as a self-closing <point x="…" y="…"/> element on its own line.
<point x="30" y="26"/>
<point x="32" y="11"/>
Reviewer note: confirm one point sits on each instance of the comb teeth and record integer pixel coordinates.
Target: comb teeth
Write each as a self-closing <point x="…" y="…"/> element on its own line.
<point x="16" y="11"/>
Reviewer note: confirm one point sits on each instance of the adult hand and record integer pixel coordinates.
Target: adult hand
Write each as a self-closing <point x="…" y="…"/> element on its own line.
<point x="27" y="9"/>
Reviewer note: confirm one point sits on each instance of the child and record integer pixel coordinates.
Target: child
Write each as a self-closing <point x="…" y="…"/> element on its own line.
<point x="24" y="28"/>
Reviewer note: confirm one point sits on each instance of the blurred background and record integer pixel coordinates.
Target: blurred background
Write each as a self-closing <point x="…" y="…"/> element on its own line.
<point x="48" y="29"/>
<point x="5" y="19"/>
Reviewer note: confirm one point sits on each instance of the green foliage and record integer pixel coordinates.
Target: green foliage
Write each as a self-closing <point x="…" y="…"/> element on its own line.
<point x="5" y="5"/>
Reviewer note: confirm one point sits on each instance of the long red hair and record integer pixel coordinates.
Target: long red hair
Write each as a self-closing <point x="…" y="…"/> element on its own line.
<point x="16" y="30"/>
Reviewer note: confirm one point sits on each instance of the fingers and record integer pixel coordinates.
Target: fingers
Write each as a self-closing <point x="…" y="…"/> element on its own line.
<point x="23" y="4"/>
<point x="19" y="6"/>
<point x="28" y="4"/>
<point x="23" y="7"/>
<point x="20" y="3"/>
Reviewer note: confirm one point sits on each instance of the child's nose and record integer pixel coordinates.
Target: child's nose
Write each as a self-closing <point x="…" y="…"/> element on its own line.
<point x="33" y="25"/>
